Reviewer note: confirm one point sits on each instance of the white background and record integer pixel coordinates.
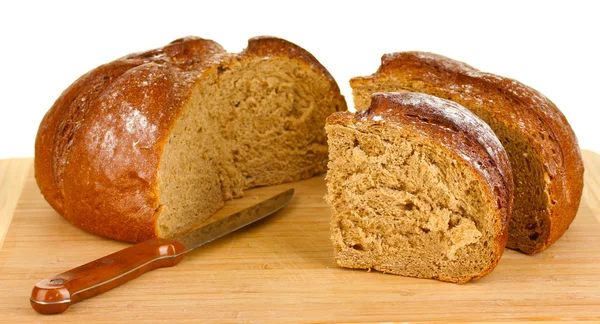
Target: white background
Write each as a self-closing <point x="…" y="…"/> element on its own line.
<point x="550" y="46"/>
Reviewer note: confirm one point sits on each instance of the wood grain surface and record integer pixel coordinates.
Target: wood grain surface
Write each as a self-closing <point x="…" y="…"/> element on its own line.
<point x="281" y="270"/>
<point x="12" y="178"/>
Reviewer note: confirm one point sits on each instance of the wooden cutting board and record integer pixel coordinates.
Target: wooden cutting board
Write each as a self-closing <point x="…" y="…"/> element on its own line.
<point x="282" y="270"/>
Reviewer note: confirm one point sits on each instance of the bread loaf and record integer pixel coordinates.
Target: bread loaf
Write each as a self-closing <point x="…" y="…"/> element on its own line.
<point x="153" y="143"/>
<point x="419" y="186"/>
<point x="541" y="146"/>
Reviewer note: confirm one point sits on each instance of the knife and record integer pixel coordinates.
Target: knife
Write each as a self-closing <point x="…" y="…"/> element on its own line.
<point x="56" y="294"/>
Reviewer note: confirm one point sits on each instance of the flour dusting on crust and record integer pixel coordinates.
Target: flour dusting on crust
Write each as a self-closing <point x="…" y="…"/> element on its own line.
<point x="445" y="114"/>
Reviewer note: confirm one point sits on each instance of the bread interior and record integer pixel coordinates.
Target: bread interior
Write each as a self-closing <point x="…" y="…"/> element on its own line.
<point x="250" y="122"/>
<point x="529" y="226"/>
<point x="406" y="205"/>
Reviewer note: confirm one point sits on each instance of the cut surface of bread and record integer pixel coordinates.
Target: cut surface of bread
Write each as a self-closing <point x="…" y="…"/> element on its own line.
<point x="154" y="143"/>
<point x="419" y="187"/>
<point x="253" y="122"/>
<point x="542" y="147"/>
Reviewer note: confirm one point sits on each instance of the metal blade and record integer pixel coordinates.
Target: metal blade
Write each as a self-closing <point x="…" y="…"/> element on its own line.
<point x="213" y="231"/>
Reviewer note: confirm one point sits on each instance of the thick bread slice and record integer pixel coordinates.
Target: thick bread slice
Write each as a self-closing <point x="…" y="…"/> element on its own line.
<point x="419" y="186"/>
<point x="153" y="143"/>
<point x="541" y="145"/>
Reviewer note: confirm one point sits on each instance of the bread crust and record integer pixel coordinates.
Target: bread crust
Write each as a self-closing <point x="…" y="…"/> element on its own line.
<point x="524" y="109"/>
<point x="97" y="157"/>
<point x="461" y="132"/>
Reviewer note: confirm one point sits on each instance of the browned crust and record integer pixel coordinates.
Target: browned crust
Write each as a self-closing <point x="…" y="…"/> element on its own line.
<point x="266" y="46"/>
<point x="457" y="129"/>
<point x="522" y="108"/>
<point x="269" y="46"/>
<point x="100" y="171"/>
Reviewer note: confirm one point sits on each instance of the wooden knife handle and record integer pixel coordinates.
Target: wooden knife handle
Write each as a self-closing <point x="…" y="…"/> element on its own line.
<point x="54" y="295"/>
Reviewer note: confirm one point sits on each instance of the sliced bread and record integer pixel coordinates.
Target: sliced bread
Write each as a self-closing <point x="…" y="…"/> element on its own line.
<point x="155" y="142"/>
<point x="419" y="187"/>
<point x="540" y="143"/>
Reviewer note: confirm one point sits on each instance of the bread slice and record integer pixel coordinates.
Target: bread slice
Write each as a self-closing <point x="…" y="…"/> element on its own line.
<point x="541" y="145"/>
<point x="419" y="186"/>
<point x="154" y="143"/>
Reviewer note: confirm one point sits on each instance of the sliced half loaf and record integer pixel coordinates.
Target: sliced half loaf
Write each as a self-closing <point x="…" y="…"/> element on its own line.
<point x="541" y="145"/>
<point x="154" y="143"/>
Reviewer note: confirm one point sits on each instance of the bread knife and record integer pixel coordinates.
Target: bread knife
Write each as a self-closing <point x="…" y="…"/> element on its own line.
<point x="56" y="294"/>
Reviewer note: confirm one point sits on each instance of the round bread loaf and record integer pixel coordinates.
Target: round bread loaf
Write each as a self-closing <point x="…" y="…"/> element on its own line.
<point x="153" y="143"/>
<point x="420" y="187"/>
<point x="541" y="146"/>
